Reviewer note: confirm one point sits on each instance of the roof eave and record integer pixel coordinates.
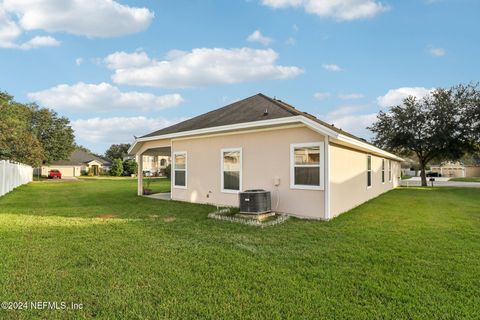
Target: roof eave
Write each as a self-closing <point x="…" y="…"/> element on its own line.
<point x="356" y="144"/>
<point x="237" y="126"/>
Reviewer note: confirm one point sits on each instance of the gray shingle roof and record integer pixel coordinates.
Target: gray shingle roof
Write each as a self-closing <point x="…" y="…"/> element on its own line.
<point x="247" y="110"/>
<point x="79" y="157"/>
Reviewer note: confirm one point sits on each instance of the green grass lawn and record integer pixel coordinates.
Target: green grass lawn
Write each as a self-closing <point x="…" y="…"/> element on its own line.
<point x="406" y="177"/>
<point x="157" y="185"/>
<point x="410" y="254"/>
<point x="472" y="179"/>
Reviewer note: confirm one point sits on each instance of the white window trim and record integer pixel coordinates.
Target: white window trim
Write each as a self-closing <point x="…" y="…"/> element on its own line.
<point x="371" y="175"/>
<point x="186" y="169"/>
<point x="384" y="178"/>
<point x="321" y="146"/>
<point x="389" y="170"/>
<point x="221" y="170"/>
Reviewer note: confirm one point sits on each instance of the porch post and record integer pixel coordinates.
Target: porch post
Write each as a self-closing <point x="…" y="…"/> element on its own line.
<point x="139" y="159"/>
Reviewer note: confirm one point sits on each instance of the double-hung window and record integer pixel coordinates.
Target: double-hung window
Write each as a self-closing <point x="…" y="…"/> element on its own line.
<point x="383" y="170"/>
<point x="306" y="171"/>
<point x="180" y="169"/>
<point x="231" y="170"/>
<point x="369" y="171"/>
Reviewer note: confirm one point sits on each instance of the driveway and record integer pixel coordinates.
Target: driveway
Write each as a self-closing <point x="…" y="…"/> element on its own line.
<point x="439" y="182"/>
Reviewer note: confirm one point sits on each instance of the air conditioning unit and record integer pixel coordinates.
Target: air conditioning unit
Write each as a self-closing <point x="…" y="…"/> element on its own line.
<point x="255" y="201"/>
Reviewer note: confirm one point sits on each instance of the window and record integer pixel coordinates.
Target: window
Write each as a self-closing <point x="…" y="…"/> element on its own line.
<point x="383" y="170"/>
<point x="306" y="171"/>
<point x="369" y="171"/>
<point x="231" y="170"/>
<point x="390" y="170"/>
<point x="163" y="162"/>
<point x="180" y="169"/>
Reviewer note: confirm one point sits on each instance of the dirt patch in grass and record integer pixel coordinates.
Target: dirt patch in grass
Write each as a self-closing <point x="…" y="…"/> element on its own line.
<point x="169" y="219"/>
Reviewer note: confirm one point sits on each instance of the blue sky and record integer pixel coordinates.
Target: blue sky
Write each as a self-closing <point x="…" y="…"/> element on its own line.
<point x="123" y="68"/>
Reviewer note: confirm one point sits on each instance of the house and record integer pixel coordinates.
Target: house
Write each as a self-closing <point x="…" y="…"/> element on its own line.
<point x="155" y="164"/>
<point x="80" y="162"/>
<point x="313" y="169"/>
<point x="456" y="170"/>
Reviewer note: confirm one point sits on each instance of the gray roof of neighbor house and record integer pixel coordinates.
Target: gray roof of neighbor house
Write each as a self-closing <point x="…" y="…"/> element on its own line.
<point x="79" y="157"/>
<point x="255" y="108"/>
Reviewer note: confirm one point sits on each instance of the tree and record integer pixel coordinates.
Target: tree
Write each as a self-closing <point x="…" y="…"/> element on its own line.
<point x="31" y="134"/>
<point x="130" y="167"/>
<point x="54" y="133"/>
<point x="435" y="127"/>
<point x="117" y="167"/>
<point x="117" y="151"/>
<point x="17" y="142"/>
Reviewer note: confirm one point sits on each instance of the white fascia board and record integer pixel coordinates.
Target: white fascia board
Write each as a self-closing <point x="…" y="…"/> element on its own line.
<point x="236" y="126"/>
<point x="129" y="152"/>
<point x="279" y="121"/>
<point x="369" y="147"/>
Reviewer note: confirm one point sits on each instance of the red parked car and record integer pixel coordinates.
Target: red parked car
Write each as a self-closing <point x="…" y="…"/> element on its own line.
<point x="54" y="174"/>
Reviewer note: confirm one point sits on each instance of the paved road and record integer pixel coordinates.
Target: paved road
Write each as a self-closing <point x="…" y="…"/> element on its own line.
<point x="439" y="182"/>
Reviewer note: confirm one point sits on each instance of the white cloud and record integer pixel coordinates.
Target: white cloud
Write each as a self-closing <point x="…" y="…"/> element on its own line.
<point x="396" y="96"/>
<point x="40" y="41"/>
<point x="350" y="96"/>
<point x="124" y="60"/>
<point x="78" y="61"/>
<point x="348" y="119"/>
<point x="343" y="10"/>
<point x="332" y="67"/>
<point x="321" y="95"/>
<point x="437" y="52"/>
<point x="101" y="97"/>
<point x="93" y="18"/>
<point x="356" y="124"/>
<point x="257" y="36"/>
<point x="9" y="30"/>
<point x="199" y="67"/>
<point x="116" y="129"/>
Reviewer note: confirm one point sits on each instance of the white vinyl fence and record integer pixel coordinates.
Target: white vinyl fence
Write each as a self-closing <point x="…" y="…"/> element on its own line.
<point x="13" y="175"/>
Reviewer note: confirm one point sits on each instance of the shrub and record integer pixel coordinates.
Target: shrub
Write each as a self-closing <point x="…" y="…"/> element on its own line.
<point x="168" y="171"/>
<point x="130" y="167"/>
<point x="117" y="168"/>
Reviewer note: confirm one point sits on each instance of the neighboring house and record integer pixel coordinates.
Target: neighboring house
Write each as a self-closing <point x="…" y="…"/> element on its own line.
<point x="80" y="162"/>
<point x="155" y="164"/>
<point x="456" y="169"/>
<point x="313" y="169"/>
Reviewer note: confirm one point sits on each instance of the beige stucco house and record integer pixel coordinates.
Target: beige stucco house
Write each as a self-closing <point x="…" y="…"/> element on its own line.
<point x="80" y="162"/>
<point x="313" y="169"/>
<point x="456" y="170"/>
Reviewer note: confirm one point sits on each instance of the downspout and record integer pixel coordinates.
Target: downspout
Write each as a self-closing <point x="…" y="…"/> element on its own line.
<point x="327" y="178"/>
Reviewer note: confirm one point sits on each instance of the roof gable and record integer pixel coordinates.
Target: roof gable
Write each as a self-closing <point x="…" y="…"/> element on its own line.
<point x="255" y="108"/>
<point x="79" y="157"/>
<point x="257" y="111"/>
